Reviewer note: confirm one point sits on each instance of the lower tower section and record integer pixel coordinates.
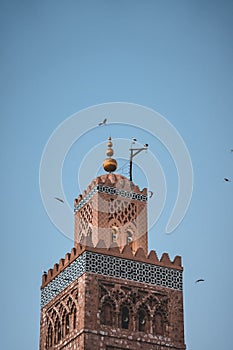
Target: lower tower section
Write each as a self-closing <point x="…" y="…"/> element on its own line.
<point x="97" y="299"/>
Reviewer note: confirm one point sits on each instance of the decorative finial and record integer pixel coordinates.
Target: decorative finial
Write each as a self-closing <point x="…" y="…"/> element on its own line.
<point x="109" y="163"/>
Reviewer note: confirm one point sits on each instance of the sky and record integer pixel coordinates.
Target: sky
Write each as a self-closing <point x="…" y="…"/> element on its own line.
<point x="174" y="57"/>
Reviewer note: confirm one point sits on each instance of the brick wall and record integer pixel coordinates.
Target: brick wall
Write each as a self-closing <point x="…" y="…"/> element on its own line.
<point x="102" y="210"/>
<point x="99" y="302"/>
<point x="112" y="301"/>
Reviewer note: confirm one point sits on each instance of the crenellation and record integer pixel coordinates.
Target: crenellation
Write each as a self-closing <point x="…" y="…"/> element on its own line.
<point x="165" y="259"/>
<point x="152" y="256"/>
<point x="44" y="278"/>
<point x="144" y="191"/>
<point x="67" y="259"/>
<point x="112" y="180"/>
<point x="140" y="254"/>
<point x="177" y="261"/>
<point x="73" y="253"/>
<point x="61" y="263"/>
<point x="55" y="268"/>
<point x="78" y="247"/>
<point x="126" y="252"/>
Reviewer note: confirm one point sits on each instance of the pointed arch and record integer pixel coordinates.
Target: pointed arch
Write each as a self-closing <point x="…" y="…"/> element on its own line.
<point x="57" y="331"/>
<point x="69" y="302"/>
<point x="73" y="316"/>
<point x="125" y="317"/>
<point x="114" y="234"/>
<point x="65" y="323"/>
<point x="126" y="314"/>
<point x="106" y="315"/>
<point x="158" y="324"/>
<point x="142" y="320"/>
<point x="129" y="237"/>
<point x="73" y="299"/>
<point x="143" y="316"/>
<point x="62" y="307"/>
<point x="49" y="338"/>
<point x="49" y="320"/>
<point x="107" y="311"/>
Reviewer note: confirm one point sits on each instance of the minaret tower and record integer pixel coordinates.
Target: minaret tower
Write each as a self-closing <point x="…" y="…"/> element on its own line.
<point x="108" y="293"/>
<point x="112" y="211"/>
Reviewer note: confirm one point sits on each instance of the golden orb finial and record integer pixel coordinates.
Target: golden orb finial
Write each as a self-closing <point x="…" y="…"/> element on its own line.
<point x="109" y="163"/>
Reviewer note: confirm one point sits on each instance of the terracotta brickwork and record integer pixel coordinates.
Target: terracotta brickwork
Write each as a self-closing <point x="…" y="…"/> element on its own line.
<point x="155" y="315"/>
<point x="88" y="313"/>
<point x="94" y="307"/>
<point x="105" y="212"/>
<point x="109" y="293"/>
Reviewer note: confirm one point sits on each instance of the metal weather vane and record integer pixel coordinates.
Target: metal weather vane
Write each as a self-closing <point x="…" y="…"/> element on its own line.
<point x="133" y="153"/>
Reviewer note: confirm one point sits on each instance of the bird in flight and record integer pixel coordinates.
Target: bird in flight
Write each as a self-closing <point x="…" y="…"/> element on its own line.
<point x="151" y="194"/>
<point x="226" y="179"/>
<point x="200" y="280"/>
<point x="59" y="199"/>
<point x="103" y="122"/>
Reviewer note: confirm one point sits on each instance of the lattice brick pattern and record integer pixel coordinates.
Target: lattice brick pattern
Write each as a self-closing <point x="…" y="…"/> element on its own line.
<point x="122" y="211"/>
<point x="86" y="216"/>
<point x="115" y="267"/>
<point x="133" y="270"/>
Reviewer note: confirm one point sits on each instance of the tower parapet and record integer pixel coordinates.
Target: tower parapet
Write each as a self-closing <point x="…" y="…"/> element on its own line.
<point x="126" y="254"/>
<point x="114" y="184"/>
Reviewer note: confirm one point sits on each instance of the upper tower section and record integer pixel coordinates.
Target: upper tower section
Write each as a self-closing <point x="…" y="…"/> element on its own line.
<point x="112" y="211"/>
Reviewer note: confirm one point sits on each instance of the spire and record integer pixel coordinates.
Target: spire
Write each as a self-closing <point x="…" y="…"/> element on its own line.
<point x="109" y="163"/>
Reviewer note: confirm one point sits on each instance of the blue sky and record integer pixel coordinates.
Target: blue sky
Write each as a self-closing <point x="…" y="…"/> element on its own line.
<point x="175" y="57"/>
